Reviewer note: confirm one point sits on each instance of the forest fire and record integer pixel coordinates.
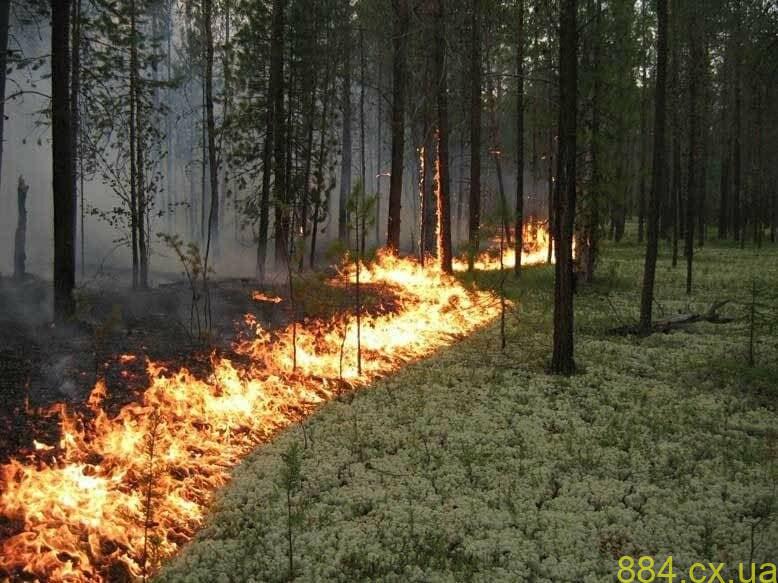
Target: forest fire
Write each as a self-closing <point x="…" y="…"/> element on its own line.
<point x="118" y="494"/>
<point x="258" y="296"/>
<point x="535" y="250"/>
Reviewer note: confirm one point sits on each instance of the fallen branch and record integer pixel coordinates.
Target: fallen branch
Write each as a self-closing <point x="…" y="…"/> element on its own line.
<point x="679" y="321"/>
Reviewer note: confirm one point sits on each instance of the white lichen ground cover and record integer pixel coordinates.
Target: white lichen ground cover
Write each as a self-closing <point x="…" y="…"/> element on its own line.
<point x="476" y="465"/>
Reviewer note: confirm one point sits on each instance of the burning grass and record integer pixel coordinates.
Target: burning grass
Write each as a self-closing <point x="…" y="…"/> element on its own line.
<point x="118" y="494"/>
<point x="476" y="465"/>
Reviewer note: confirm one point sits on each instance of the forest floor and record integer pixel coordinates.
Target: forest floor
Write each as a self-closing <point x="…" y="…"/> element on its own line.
<point x="477" y="465"/>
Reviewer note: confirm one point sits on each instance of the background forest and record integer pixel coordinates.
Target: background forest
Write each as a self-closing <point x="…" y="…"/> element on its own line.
<point x="247" y="127"/>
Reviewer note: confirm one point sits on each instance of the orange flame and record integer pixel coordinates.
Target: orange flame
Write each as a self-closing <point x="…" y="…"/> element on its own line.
<point x="536" y="240"/>
<point x="144" y="478"/>
<point x="258" y="296"/>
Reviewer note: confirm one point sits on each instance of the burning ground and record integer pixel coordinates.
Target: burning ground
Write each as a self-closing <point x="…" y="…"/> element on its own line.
<point x="117" y="493"/>
<point x="476" y="465"/>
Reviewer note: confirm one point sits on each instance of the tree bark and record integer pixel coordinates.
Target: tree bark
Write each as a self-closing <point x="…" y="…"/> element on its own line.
<point x="399" y="42"/>
<point x="345" y="168"/>
<point x="562" y="360"/>
<point x="476" y="73"/>
<point x="658" y="180"/>
<point x="695" y="177"/>
<point x="5" y="9"/>
<point x="213" y="165"/>
<point x="518" y="226"/>
<point x="279" y="127"/>
<point x="62" y="163"/>
<point x="443" y="194"/>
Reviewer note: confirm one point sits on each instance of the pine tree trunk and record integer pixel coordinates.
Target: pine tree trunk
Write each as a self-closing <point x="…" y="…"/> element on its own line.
<point x="562" y="361"/>
<point x="475" y="136"/>
<point x="139" y="170"/>
<point x="676" y="129"/>
<point x="279" y="138"/>
<point x="345" y="168"/>
<point x="5" y="9"/>
<point x="643" y="136"/>
<point x="518" y="226"/>
<point x="135" y="225"/>
<point x="443" y="186"/>
<point x="213" y="167"/>
<point x="75" y="89"/>
<point x="399" y="42"/>
<point x="658" y="179"/>
<point x="379" y="151"/>
<point x="694" y="178"/>
<point x="62" y="163"/>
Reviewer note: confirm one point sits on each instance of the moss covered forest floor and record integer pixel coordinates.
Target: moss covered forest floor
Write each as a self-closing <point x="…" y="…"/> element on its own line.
<point x="475" y="465"/>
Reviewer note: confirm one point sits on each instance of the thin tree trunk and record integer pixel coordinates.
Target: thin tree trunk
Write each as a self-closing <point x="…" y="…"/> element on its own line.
<point x="643" y="128"/>
<point x="475" y="137"/>
<point x="140" y="186"/>
<point x="519" y="219"/>
<point x="279" y="127"/>
<point x="562" y="360"/>
<point x="694" y="177"/>
<point x="62" y="163"/>
<point x="443" y="186"/>
<point x="213" y="165"/>
<point x="676" y="129"/>
<point x="399" y="42"/>
<point x="658" y="179"/>
<point x="379" y="152"/>
<point x="362" y="145"/>
<point x="135" y="224"/>
<point x="5" y="9"/>
<point x="345" y="168"/>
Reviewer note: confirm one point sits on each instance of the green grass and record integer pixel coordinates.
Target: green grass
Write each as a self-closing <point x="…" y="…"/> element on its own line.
<point x="475" y="465"/>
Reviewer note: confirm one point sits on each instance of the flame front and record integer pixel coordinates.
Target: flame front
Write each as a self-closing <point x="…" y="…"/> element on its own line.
<point x="118" y="494"/>
<point x="536" y="238"/>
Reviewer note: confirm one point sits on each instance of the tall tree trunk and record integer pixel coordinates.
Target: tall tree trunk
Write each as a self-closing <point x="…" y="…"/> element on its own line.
<point x="170" y="177"/>
<point x="135" y="224"/>
<point x="702" y="113"/>
<point x="658" y="179"/>
<point x="379" y="151"/>
<point x="592" y="218"/>
<point x="475" y="136"/>
<point x="676" y="129"/>
<point x="75" y="89"/>
<point x="5" y="9"/>
<point x="213" y="165"/>
<point x="362" y="145"/>
<point x="518" y="226"/>
<point x="643" y="126"/>
<point x="737" y="145"/>
<point x="562" y="361"/>
<point x="694" y="179"/>
<point x="279" y="127"/>
<point x="345" y="167"/>
<point x="443" y="182"/>
<point x="62" y="163"/>
<point x="399" y="42"/>
<point x="137" y="137"/>
<point x="274" y="87"/>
